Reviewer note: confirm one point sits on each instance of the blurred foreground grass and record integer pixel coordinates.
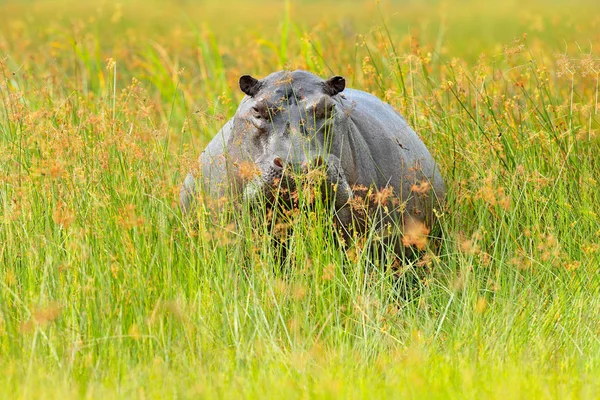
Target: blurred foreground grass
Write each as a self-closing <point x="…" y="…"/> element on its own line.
<point x="106" y="292"/>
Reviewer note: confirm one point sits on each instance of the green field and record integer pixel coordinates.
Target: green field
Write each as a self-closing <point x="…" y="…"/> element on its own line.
<point x="107" y="292"/>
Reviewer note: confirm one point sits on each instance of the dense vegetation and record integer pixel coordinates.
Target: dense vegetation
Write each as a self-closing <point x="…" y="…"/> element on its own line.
<point x="105" y="291"/>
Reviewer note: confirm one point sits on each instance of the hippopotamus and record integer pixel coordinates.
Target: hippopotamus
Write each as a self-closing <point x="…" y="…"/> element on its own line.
<point x="291" y="120"/>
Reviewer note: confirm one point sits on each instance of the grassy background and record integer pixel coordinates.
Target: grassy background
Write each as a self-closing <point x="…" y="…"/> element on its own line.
<point x="105" y="291"/>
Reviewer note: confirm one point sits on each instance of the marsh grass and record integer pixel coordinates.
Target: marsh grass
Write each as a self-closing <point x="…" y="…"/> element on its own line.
<point x="105" y="291"/>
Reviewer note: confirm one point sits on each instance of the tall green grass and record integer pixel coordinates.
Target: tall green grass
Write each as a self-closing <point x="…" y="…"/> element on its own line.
<point x="106" y="291"/>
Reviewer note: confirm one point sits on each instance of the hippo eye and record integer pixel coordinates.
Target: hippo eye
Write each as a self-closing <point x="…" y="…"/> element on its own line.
<point x="325" y="108"/>
<point x="256" y="112"/>
<point x="326" y="112"/>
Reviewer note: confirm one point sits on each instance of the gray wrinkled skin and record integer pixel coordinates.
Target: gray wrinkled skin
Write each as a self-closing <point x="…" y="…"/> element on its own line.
<point x="295" y="118"/>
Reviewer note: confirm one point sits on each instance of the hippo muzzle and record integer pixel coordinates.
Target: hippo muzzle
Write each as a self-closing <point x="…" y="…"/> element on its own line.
<point x="279" y="177"/>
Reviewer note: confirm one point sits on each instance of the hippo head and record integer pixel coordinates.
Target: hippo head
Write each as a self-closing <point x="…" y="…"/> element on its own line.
<point x="290" y="122"/>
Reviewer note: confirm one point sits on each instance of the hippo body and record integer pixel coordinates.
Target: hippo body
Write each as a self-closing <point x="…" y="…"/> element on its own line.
<point x="294" y="118"/>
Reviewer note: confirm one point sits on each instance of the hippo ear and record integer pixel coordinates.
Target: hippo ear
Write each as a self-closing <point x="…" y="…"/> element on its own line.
<point x="334" y="85"/>
<point x="249" y="85"/>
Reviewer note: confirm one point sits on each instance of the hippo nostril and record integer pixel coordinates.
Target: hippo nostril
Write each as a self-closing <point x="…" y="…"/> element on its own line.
<point x="304" y="167"/>
<point x="278" y="162"/>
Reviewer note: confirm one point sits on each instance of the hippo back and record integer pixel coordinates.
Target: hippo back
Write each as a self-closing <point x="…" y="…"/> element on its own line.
<point x="387" y="151"/>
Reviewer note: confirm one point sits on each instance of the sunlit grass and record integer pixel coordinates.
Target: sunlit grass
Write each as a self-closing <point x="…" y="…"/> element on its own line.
<point x="105" y="291"/>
